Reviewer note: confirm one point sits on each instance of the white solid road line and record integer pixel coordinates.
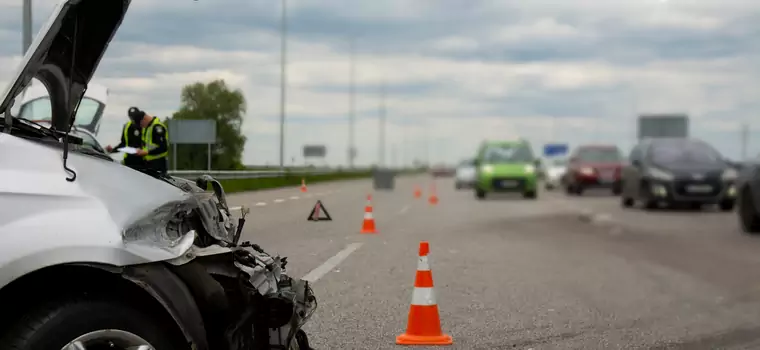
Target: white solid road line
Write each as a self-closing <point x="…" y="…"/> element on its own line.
<point x="260" y="204"/>
<point x="331" y="263"/>
<point x="279" y="200"/>
<point x="294" y="197"/>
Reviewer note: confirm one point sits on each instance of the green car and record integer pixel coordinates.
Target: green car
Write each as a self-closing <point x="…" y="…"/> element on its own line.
<point x="506" y="166"/>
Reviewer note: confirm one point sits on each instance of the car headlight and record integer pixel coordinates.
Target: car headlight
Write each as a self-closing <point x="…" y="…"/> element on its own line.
<point x="530" y="169"/>
<point x="587" y="171"/>
<point x="660" y="174"/>
<point x="730" y="174"/>
<point x="487" y="169"/>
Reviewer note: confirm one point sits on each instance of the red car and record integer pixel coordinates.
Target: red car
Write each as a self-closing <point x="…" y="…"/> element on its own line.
<point x="594" y="166"/>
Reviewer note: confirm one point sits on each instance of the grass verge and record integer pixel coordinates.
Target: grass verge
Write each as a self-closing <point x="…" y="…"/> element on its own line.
<point x="244" y="185"/>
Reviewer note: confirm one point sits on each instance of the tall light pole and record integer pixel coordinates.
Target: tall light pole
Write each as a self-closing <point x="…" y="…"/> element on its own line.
<point x="26" y="26"/>
<point x="745" y="139"/>
<point x="352" y="105"/>
<point x="382" y="119"/>
<point x="283" y="82"/>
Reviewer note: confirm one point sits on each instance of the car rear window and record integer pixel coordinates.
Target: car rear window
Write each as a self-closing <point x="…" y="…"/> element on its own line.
<point x="599" y="155"/>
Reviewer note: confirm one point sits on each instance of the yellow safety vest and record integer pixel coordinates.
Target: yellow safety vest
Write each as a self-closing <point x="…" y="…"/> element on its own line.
<point x="148" y="140"/>
<point x="126" y="136"/>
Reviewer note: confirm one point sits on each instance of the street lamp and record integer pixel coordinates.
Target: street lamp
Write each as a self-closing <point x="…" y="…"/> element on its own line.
<point x="283" y="53"/>
<point x="26" y="39"/>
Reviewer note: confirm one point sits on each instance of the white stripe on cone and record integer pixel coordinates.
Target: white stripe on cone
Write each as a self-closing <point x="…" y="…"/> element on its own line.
<point x="368" y="215"/>
<point x="423" y="264"/>
<point x="423" y="296"/>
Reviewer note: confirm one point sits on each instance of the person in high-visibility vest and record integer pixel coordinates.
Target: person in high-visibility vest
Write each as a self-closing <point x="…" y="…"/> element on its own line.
<point x="131" y="136"/>
<point x="155" y="141"/>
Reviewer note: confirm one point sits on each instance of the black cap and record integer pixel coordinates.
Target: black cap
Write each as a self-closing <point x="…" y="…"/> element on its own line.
<point x="135" y="113"/>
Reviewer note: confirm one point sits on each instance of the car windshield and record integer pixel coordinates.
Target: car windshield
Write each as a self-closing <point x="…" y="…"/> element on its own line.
<point x="599" y="155"/>
<point x="40" y="110"/>
<point x="684" y="151"/>
<point x="508" y="153"/>
<point x="88" y="141"/>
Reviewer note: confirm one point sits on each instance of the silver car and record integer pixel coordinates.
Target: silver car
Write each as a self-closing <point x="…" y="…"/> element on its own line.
<point x="465" y="174"/>
<point x="555" y="171"/>
<point x="97" y="255"/>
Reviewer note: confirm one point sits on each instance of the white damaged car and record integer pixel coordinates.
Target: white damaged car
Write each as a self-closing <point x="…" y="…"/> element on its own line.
<point x="97" y="255"/>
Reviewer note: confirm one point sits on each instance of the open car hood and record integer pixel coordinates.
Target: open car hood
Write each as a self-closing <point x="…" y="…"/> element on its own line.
<point x="66" y="53"/>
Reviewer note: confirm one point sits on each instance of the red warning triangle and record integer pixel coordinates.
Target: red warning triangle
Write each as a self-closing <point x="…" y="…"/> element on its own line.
<point x="318" y="210"/>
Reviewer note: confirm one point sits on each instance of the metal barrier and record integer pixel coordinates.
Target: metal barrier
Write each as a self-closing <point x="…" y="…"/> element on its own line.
<point x="257" y="174"/>
<point x="260" y="174"/>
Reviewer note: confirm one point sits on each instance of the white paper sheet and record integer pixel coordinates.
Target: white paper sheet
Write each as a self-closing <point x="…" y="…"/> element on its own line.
<point x="128" y="150"/>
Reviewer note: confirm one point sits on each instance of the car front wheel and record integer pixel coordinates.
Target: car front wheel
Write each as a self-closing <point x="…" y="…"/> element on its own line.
<point x="91" y="324"/>
<point x="480" y="194"/>
<point x="727" y="205"/>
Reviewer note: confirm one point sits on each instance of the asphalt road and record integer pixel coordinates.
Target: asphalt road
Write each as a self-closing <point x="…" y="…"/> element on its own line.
<point x="553" y="273"/>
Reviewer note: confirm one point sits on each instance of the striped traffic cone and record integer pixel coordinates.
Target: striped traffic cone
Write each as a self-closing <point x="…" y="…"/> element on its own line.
<point x="369" y="222"/>
<point x="433" y="200"/>
<point x="303" y="185"/>
<point x="424" y="324"/>
<point x="417" y="191"/>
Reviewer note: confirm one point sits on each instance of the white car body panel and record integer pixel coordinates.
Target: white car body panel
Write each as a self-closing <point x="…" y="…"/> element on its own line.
<point x="554" y="175"/>
<point x="52" y="221"/>
<point x="47" y="220"/>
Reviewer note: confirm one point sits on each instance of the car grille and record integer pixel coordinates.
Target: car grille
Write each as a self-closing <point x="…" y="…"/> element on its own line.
<point x="514" y="184"/>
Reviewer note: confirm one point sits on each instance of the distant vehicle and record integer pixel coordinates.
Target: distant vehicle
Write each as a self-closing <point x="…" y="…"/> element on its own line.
<point x="555" y="171"/>
<point x="36" y="106"/>
<point x="441" y="170"/>
<point x="663" y="125"/>
<point x="678" y="171"/>
<point x="465" y="174"/>
<point x="506" y="166"/>
<point x="594" y="166"/>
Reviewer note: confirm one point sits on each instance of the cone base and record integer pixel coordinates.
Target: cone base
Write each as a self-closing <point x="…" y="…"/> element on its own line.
<point x="408" y="339"/>
<point x="368" y="232"/>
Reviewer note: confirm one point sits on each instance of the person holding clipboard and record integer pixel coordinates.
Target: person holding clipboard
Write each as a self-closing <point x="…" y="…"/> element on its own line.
<point x="131" y="137"/>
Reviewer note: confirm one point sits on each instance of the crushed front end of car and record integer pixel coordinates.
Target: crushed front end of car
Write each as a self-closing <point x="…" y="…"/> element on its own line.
<point x="244" y="296"/>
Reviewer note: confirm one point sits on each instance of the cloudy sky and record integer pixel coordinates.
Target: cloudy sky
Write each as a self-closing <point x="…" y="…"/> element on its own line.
<point x="456" y="71"/>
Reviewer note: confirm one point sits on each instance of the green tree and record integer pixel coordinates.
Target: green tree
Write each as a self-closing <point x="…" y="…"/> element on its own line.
<point x="214" y="100"/>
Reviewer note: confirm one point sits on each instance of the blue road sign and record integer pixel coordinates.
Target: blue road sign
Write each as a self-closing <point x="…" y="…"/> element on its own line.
<point x="555" y="149"/>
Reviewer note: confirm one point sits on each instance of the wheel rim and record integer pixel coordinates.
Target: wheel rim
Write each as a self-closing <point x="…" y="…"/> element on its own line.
<point x="109" y="339"/>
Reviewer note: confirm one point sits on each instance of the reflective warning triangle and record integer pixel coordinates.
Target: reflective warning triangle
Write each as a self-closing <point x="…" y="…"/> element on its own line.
<point x="319" y="209"/>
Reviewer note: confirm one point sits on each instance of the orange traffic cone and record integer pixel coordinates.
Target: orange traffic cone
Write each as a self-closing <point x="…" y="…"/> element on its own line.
<point x="417" y="191"/>
<point x="433" y="200"/>
<point x="424" y="324"/>
<point x="303" y="185"/>
<point x="369" y="222"/>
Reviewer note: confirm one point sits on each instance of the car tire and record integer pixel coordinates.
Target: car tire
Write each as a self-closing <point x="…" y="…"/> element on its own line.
<point x="569" y="190"/>
<point x="578" y="190"/>
<point x="617" y="191"/>
<point x="695" y="206"/>
<point x="626" y="202"/>
<point x="57" y="324"/>
<point x="530" y="195"/>
<point x="650" y="204"/>
<point x="747" y="211"/>
<point x="480" y="194"/>
<point x="727" y="205"/>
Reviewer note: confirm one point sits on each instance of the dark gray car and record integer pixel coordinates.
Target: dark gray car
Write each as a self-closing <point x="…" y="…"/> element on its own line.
<point x="678" y="171"/>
